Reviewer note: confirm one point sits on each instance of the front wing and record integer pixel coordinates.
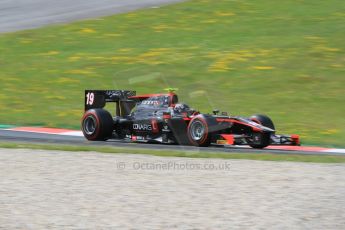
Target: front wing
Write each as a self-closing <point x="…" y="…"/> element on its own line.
<point x="233" y="139"/>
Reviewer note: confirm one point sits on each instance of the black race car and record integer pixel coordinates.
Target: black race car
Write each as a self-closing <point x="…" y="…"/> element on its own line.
<point x="161" y="118"/>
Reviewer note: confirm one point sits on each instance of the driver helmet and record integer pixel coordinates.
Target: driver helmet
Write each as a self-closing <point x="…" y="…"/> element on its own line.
<point x="179" y="108"/>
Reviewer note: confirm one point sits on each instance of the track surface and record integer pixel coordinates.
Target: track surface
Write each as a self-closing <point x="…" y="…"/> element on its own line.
<point x="32" y="137"/>
<point x="28" y="14"/>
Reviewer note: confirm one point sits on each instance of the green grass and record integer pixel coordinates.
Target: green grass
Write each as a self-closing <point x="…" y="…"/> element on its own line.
<point x="285" y="59"/>
<point x="189" y="154"/>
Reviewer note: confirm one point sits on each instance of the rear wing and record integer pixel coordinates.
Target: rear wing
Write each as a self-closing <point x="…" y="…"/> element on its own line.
<point x="98" y="98"/>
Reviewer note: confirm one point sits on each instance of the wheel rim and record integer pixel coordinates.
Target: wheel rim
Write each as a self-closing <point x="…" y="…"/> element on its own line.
<point x="197" y="130"/>
<point x="90" y="125"/>
<point x="255" y="138"/>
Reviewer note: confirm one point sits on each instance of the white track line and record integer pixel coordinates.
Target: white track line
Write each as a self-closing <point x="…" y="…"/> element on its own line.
<point x="334" y="151"/>
<point x="72" y="133"/>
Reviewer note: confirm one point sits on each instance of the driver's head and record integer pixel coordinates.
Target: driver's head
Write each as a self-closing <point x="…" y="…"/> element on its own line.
<point x="179" y="108"/>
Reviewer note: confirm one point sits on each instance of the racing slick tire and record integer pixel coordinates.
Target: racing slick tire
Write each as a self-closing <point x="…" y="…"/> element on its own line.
<point x="97" y="125"/>
<point x="200" y="130"/>
<point x="263" y="120"/>
<point x="259" y="140"/>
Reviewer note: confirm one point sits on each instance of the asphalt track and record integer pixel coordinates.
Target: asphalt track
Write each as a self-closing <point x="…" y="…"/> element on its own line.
<point x="43" y="138"/>
<point x="29" y="14"/>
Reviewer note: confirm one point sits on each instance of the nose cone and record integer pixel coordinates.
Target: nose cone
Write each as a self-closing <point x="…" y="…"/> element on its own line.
<point x="266" y="129"/>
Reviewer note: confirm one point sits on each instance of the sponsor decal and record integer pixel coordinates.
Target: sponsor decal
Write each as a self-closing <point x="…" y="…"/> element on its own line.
<point x="144" y="127"/>
<point x="151" y="102"/>
<point x="154" y="126"/>
<point x="138" y="138"/>
<point x="222" y="142"/>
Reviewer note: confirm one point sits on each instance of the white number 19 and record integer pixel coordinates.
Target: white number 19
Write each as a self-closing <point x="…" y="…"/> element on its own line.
<point x="90" y="97"/>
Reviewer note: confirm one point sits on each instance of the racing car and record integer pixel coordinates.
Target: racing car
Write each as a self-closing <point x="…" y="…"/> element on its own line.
<point x="161" y="118"/>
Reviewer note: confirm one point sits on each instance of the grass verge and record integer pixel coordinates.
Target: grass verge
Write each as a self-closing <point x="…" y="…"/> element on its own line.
<point x="190" y="154"/>
<point x="285" y="59"/>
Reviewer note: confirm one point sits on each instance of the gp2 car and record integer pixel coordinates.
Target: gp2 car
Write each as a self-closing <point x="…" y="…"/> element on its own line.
<point x="161" y="118"/>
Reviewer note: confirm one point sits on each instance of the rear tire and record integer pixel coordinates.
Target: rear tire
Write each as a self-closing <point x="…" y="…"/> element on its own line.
<point x="97" y="125"/>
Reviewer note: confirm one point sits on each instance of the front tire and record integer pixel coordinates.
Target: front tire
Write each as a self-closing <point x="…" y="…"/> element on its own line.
<point x="259" y="140"/>
<point x="263" y="120"/>
<point x="97" y="125"/>
<point x="199" y="130"/>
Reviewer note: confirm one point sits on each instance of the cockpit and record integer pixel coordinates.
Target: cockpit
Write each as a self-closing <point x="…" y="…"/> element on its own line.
<point x="156" y="102"/>
<point x="156" y="105"/>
